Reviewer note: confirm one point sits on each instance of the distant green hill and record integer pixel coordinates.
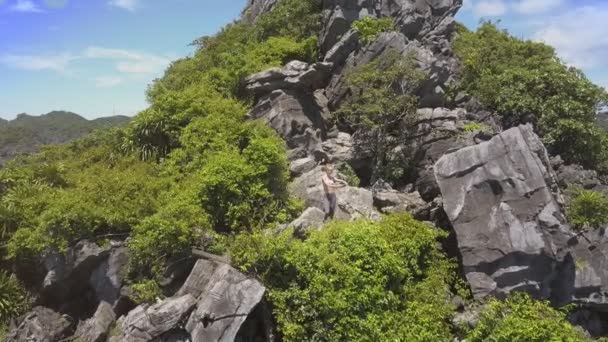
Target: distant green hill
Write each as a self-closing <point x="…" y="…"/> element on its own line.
<point x="27" y="133"/>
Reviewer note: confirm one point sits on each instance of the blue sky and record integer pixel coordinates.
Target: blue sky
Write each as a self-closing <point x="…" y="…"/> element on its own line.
<point x="96" y="57"/>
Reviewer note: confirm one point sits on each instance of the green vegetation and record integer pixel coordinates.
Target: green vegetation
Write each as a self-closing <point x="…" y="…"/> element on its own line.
<point x="369" y="28"/>
<point x="588" y="209"/>
<point x="191" y="171"/>
<point x="14" y="300"/>
<point x="163" y="180"/>
<point x="146" y="291"/>
<point x="382" y="105"/>
<point x="474" y="127"/>
<point x="521" y="318"/>
<point x="348" y="174"/>
<point x="525" y="82"/>
<point x="292" y="18"/>
<point x="360" y="281"/>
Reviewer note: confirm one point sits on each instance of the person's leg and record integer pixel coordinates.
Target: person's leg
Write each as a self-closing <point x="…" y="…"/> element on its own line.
<point x="332" y="205"/>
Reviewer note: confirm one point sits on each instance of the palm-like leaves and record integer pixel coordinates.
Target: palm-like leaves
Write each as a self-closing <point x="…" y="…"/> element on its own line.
<point x="14" y="300"/>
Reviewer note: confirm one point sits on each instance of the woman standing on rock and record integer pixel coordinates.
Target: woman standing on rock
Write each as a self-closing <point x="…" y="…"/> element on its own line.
<point x="330" y="184"/>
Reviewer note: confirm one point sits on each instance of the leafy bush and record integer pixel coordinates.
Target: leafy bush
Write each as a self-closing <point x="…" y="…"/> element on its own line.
<point x="96" y="200"/>
<point x="291" y="18"/>
<point x="349" y="175"/>
<point x="587" y="143"/>
<point x="474" y="127"/>
<point x="245" y="189"/>
<point x="526" y="82"/>
<point x="14" y="300"/>
<point x="588" y="209"/>
<point x="382" y="104"/>
<point x="369" y="27"/>
<point x="146" y="291"/>
<point x="521" y="318"/>
<point x="209" y="83"/>
<point x="355" y="281"/>
<point x="172" y="231"/>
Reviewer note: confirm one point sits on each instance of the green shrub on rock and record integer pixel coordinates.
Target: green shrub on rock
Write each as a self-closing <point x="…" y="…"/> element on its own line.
<point x="146" y="291"/>
<point x="380" y="112"/>
<point x="588" y="209"/>
<point x="291" y="18"/>
<point x="523" y="319"/>
<point x="14" y="300"/>
<point x="355" y="281"/>
<point x="369" y="27"/>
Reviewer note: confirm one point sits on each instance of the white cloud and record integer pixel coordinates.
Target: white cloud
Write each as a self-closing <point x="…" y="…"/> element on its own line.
<point x="57" y="63"/>
<point x="578" y="35"/>
<point x="129" y="5"/>
<point x="56" y="3"/>
<point x="107" y="81"/>
<point x="490" y="8"/>
<point x="537" y="6"/>
<point x="130" y="62"/>
<point x="107" y="53"/>
<point x="25" y="6"/>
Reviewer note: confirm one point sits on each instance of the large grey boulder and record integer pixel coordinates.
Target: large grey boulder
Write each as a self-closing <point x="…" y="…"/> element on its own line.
<point x="97" y="327"/>
<point x="68" y="273"/>
<point x="298" y="117"/>
<point x="226" y="298"/>
<point x="302" y="165"/>
<point x="109" y="277"/>
<point x="352" y="203"/>
<point x="499" y="198"/>
<point x="145" y="322"/>
<point x="340" y="149"/>
<point x="40" y="325"/>
<point x="391" y="201"/>
<point x="343" y="48"/>
<point x="310" y="218"/>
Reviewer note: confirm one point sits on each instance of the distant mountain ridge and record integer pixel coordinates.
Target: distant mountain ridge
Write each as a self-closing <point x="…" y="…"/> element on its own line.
<point x="27" y="133"/>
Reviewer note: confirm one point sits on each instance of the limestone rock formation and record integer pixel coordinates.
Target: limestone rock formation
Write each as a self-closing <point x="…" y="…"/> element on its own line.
<point x="226" y="298"/>
<point x="255" y="8"/>
<point x="297" y="117"/>
<point x="109" y="277"/>
<point x="68" y="273"/>
<point x="310" y="218"/>
<point x="415" y="19"/>
<point x="389" y="200"/>
<point x="294" y="75"/>
<point x="302" y="165"/>
<point x="145" y="322"/>
<point x="97" y="327"/>
<point x="510" y="229"/>
<point x="40" y="325"/>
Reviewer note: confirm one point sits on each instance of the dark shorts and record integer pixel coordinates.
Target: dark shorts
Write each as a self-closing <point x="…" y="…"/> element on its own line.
<point x="330" y="205"/>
